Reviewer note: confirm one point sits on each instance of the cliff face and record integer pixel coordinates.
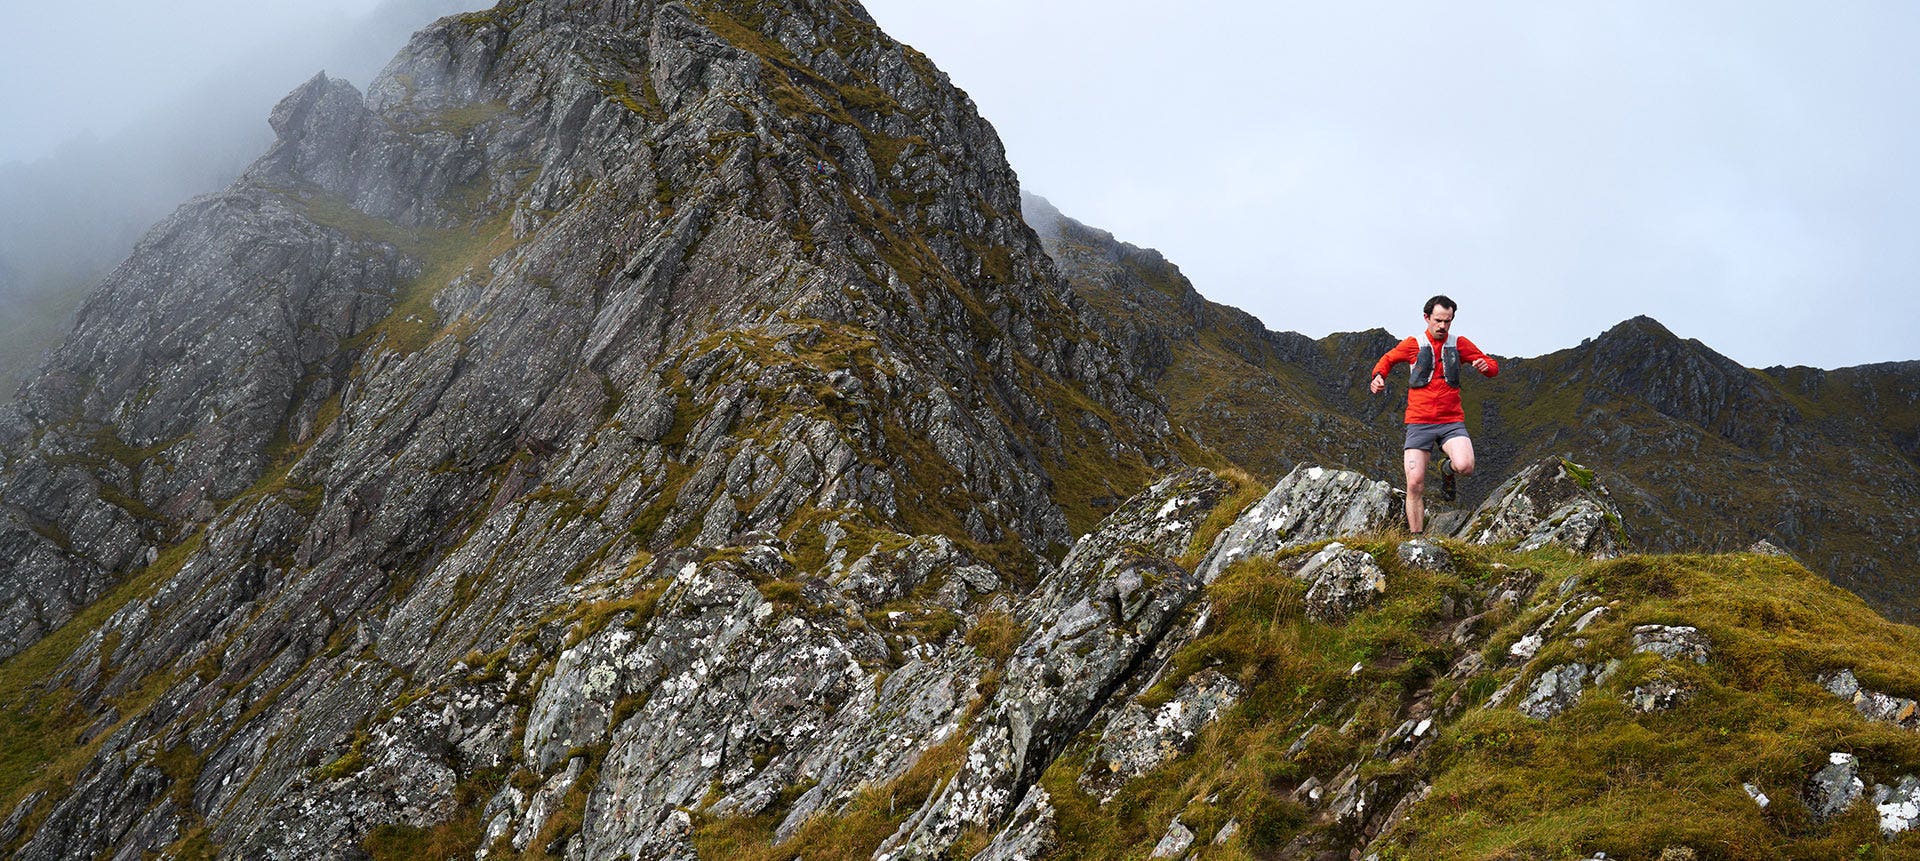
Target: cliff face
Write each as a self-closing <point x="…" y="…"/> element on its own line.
<point x="585" y="312"/>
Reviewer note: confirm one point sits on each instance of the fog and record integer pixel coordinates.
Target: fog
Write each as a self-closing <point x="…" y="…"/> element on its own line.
<point x="118" y="113"/>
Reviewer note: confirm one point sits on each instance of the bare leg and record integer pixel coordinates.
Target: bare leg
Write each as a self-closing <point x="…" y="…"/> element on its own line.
<point x="1416" y="465"/>
<point x="1459" y="454"/>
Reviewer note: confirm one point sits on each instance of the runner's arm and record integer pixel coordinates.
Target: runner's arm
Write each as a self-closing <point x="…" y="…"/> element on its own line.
<point x="1474" y="357"/>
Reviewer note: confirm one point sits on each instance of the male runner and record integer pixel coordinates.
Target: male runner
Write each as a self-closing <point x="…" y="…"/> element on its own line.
<point x="1434" y="414"/>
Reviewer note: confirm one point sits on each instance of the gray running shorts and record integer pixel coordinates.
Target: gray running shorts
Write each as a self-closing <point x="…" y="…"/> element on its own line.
<point x="1427" y="436"/>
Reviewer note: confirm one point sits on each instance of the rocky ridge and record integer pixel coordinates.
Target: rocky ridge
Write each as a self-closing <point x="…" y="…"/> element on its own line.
<point x="649" y="430"/>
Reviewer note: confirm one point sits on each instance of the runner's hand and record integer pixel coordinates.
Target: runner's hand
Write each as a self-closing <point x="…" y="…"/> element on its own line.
<point x="1481" y="365"/>
<point x="1379" y="383"/>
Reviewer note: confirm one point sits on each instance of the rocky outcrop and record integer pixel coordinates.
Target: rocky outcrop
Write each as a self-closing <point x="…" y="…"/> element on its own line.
<point x="1343" y="579"/>
<point x="1311" y="504"/>
<point x="1872" y="705"/>
<point x="1093" y="621"/>
<point x="1139" y="739"/>
<point x="1555" y="501"/>
<point x="622" y="389"/>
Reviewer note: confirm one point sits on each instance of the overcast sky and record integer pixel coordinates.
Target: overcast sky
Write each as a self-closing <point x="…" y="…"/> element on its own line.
<point x="1743" y="171"/>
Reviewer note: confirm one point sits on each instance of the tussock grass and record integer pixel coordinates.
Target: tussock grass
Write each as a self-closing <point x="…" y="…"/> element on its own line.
<point x="1599" y="777"/>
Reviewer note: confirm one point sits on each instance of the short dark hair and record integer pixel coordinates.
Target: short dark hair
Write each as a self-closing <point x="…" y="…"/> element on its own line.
<point x="1443" y="302"/>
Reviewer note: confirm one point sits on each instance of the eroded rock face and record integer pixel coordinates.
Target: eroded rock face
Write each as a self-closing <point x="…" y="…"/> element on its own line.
<point x="607" y="366"/>
<point x="1093" y="621"/>
<point x="1311" y="504"/>
<point x="1555" y="501"/>
<point x="1139" y="739"/>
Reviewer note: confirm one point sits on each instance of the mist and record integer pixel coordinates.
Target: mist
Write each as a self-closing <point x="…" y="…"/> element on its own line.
<point x="71" y="210"/>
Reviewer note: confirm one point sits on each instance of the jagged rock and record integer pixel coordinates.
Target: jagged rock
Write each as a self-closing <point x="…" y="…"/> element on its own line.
<point x="1311" y="504"/>
<point x="1175" y="843"/>
<point x="1107" y="606"/>
<point x="1226" y="832"/>
<point x="1898" y="805"/>
<point x="1138" y="739"/>
<point x="1760" y="799"/>
<point x="1834" y="788"/>
<point x="1555" y="691"/>
<point x="1672" y="642"/>
<point x="1529" y="644"/>
<point x="1344" y="581"/>
<point x="1768" y="548"/>
<point x="1872" y="705"/>
<point x="1552" y="502"/>
<point x="1425" y="555"/>
<point x="1029" y="834"/>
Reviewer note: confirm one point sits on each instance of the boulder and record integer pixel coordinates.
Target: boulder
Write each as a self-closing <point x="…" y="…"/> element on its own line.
<point x="1555" y="501"/>
<point x="1834" y="788"/>
<point x="1425" y="555"/>
<point x="1898" y="805"/>
<point x="1311" y="504"/>
<point x="1176" y="842"/>
<point x="1139" y="739"/>
<point x="1872" y="705"/>
<point x="1344" y="581"/>
<point x="1555" y="691"/>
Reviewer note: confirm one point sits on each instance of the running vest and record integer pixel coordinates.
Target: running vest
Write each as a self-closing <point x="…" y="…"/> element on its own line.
<point x="1422" y="369"/>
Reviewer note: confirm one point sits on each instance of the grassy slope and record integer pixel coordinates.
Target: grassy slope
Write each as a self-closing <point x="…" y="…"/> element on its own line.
<point x="1597" y="778"/>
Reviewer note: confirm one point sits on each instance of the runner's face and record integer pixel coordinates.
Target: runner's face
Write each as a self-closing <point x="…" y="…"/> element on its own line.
<point x="1439" y="322"/>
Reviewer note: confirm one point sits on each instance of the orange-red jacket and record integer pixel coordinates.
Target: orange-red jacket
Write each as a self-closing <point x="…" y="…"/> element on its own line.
<point x="1437" y="402"/>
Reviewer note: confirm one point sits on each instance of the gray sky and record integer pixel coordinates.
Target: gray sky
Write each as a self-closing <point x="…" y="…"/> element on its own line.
<point x="1742" y="171"/>
<point x="74" y="68"/>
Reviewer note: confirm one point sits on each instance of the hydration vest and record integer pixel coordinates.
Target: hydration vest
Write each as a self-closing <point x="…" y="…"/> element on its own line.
<point x="1422" y="369"/>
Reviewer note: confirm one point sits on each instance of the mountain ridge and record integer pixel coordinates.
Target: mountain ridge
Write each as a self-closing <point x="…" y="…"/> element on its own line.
<point x="653" y="430"/>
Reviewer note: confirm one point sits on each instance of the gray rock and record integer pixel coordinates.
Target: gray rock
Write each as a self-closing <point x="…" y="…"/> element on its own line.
<point x="1311" y="504"/>
<point x="1672" y="642"/>
<point x="1138" y="740"/>
<point x="1029" y="834"/>
<point x="1425" y="555"/>
<point x="1103" y="611"/>
<point x="1658" y="696"/>
<point x="1834" y="788"/>
<point x="1552" y="502"/>
<point x="1175" y="843"/>
<point x="1898" y="805"/>
<point x="1872" y="705"/>
<point x="1344" y="581"/>
<point x="1555" y="691"/>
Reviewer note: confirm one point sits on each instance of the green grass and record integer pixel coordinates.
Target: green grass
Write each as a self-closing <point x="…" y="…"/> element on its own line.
<point x="39" y="744"/>
<point x="851" y="834"/>
<point x="1596" y="778"/>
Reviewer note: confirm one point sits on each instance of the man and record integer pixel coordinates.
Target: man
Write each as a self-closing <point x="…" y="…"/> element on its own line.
<point x="1434" y="414"/>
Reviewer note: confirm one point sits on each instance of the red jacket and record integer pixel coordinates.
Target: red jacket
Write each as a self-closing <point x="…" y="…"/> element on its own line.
<point x="1437" y="402"/>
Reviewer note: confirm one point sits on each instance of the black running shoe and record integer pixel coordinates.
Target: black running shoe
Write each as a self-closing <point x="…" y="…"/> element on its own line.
<point x="1447" y="491"/>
